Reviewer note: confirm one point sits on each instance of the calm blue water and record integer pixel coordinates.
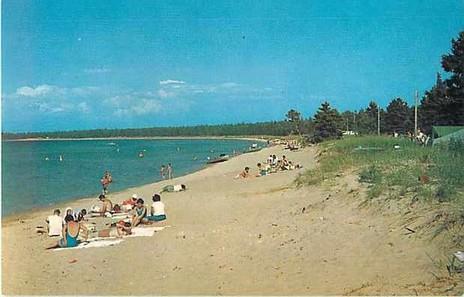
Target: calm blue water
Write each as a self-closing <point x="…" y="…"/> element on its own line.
<point x="29" y="180"/>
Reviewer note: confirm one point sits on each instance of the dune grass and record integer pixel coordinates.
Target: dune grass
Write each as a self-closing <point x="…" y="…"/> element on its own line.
<point x="394" y="165"/>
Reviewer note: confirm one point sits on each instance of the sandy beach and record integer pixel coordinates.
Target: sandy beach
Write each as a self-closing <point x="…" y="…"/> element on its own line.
<point x="248" y="236"/>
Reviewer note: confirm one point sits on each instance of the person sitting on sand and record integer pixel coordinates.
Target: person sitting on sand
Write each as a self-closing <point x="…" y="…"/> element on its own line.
<point x="261" y="170"/>
<point x="275" y="160"/>
<point x="130" y="203"/>
<point x="122" y="229"/>
<point x="174" y="188"/>
<point x="70" y="232"/>
<point x="54" y="223"/>
<point x="107" y="206"/>
<point x="244" y="174"/>
<point x="68" y="211"/>
<point x="269" y="160"/>
<point x="157" y="209"/>
<point x="140" y="213"/>
<point x="284" y="163"/>
<point x="80" y="216"/>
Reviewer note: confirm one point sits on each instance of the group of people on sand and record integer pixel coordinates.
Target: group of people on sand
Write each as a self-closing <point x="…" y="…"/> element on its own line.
<point x="272" y="165"/>
<point x="73" y="227"/>
<point x="166" y="171"/>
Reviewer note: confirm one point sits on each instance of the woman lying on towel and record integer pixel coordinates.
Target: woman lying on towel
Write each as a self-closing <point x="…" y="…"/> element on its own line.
<point x="70" y="232"/>
<point x="122" y="229"/>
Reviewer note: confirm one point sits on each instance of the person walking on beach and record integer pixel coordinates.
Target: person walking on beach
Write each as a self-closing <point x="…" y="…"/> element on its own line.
<point x="169" y="171"/>
<point x="163" y="172"/>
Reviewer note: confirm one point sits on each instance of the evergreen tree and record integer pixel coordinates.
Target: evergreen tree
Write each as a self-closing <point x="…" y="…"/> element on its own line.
<point x="327" y="123"/>
<point x="432" y="110"/>
<point x="294" y="117"/>
<point x="454" y="63"/>
<point x="367" y="119"/>
<point x="398" y="117"/>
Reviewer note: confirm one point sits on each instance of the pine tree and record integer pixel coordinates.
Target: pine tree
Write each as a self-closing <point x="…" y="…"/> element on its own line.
<point x="398" y="117"/>
<point x="328" y="123"/>
<point x="367" y="119"/>
<point x="454" y="63"/>
<point x="294" y="117"/>
<point x="432" y="110"/>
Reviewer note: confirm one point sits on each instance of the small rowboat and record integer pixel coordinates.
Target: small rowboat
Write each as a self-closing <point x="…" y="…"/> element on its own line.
<point x="221" y="158"/>
<point x="253" y="148"/>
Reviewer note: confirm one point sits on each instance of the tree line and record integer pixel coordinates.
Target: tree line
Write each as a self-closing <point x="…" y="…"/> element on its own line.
<point x="275" y="128"/>
<point x="443" y="104"/>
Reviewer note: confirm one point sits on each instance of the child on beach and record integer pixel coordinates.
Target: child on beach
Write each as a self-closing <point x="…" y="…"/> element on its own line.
<point x="157" y="209"/>
<point x="261" y="170"/>
<point x="54" y="223"/>
<point x="244" y="174"/>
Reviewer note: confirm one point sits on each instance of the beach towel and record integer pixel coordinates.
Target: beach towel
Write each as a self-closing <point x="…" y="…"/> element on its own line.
<point x="110" y="241"/>
<point x="149" y="231"/>
<point x="93" y="243"/>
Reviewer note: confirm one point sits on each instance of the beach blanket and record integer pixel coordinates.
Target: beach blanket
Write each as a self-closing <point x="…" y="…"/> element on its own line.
<point x="110" y="241"/>
<point x="149" y="231"/>
<point x="93" y="243"/>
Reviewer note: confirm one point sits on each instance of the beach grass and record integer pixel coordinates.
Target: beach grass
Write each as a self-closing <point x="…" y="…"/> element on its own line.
<point x="395" y="168"/>
<point x="388" y="162"/>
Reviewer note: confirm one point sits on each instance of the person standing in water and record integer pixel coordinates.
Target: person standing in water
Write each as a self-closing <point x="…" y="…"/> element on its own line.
<point x="169" y="171"/>
<point x="163" y="172"/>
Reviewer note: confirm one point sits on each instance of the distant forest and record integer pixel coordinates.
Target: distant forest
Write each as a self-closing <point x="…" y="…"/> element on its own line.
<point x="276" y="128"/>
<point x="443" y="105"/>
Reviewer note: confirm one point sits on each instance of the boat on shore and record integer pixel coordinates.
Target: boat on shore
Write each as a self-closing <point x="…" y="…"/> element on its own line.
<point x="221" y="158"/>
<point x="253" y="148"/>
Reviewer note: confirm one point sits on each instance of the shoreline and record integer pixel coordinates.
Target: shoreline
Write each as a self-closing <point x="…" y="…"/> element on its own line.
<point x="28" y="214"/>
<point x="262" y="138"/>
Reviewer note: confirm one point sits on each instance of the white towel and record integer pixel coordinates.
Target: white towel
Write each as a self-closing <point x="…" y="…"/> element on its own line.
<point x="94" y="243"/>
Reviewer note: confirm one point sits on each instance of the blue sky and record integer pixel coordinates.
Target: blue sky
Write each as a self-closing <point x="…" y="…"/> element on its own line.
<point x="116" y="64"/>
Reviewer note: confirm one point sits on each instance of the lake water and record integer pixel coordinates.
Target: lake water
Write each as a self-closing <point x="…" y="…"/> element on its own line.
<point x="34" y="176"/>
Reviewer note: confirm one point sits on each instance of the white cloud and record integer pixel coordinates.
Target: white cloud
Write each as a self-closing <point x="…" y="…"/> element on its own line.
<point x="165" y="94"/>
<point x="38" y="91"/>
<point x="97" y="70"/>
<point x="171" y="82"/>
<point x="83" y="107"/>
<point x="134" y="104"/>
<point x="53" y="108"/>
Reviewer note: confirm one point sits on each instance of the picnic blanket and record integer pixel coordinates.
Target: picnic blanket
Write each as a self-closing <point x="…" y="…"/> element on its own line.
<point x="93" y="243"/>
<point x="110" y="241"/>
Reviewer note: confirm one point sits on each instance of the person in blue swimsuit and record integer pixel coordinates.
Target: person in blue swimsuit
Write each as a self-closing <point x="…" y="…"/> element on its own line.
<point x="140" y="213"/>
<point x="70" y="233"/>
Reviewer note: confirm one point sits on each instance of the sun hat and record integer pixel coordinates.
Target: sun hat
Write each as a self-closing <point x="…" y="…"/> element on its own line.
<point x="134" y="196"/>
